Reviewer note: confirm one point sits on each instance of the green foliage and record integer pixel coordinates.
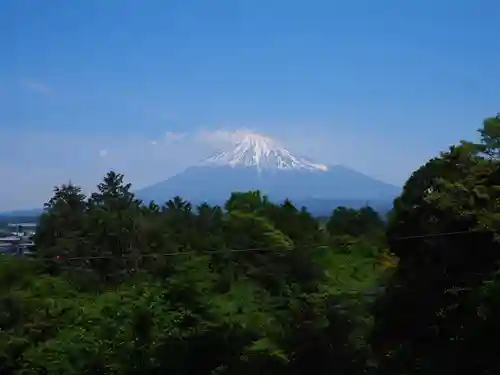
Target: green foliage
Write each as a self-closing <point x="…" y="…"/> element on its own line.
<point x="356" y="223"/>
<point x="119" y="287"/>
<point x="456" y="197"/>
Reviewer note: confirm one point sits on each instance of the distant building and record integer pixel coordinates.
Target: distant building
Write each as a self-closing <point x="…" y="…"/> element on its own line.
<point x="17" y="243"/>
<point x="23" y="229"/>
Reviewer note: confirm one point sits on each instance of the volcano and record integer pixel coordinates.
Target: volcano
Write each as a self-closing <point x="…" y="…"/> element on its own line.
<point x="255" y="161"/>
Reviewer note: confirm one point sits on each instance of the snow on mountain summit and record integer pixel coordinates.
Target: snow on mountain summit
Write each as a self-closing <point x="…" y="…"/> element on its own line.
<point x="250" y="149"/>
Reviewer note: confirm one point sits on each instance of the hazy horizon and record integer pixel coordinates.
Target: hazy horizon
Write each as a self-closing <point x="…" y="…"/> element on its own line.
<point x="149" y="88"/>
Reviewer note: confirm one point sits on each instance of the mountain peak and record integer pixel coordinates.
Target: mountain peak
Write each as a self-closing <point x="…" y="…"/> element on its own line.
<point x="250" y="149"/>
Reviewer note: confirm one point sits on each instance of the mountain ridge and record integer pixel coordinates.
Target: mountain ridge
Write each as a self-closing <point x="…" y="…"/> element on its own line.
<point x="257" y="162"/>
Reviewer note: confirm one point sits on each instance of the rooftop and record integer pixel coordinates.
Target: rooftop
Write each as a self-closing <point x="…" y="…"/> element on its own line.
<point x="10" y="239"/>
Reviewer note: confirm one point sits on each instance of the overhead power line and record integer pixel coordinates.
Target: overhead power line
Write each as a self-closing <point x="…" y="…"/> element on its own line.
<point x="219" y="251"/>
<point x="441" y="234"/>
<point x="190" y="252"/>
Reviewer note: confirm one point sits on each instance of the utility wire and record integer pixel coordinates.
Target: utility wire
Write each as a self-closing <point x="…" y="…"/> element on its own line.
<point x="441" y="234"/>
<point x="218" y="251"/>
<point x="155" y="255"/>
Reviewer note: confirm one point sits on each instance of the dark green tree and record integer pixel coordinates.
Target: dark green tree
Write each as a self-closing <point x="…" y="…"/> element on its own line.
<point x="444" y="231"/>
<point x="59" y="234"/>
<point x="114" y="229"/>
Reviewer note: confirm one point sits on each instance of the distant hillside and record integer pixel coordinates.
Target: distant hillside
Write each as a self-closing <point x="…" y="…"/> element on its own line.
<point x="32" y="213"/>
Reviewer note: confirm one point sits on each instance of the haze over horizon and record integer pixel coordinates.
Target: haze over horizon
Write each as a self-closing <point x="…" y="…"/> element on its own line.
<point x="148" y="88"/>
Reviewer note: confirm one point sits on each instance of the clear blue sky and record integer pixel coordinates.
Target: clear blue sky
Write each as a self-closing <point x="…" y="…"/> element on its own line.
<point x="87" y="85"/>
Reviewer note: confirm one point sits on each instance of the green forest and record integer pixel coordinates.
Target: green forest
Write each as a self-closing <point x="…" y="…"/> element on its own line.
<point x="257" y="287"/>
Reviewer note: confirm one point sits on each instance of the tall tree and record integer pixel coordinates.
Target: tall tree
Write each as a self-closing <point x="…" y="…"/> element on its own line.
<point x="444" y="231"/>
<point x="61" y="226"/>
<point x="114" y="228"/>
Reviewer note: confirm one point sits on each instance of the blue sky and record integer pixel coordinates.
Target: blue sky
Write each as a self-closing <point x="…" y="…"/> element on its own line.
<point x="381" y="86"/>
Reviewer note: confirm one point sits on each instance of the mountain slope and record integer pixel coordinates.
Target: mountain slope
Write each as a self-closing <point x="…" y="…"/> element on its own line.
<point x="216" y="183"/>
<point x="257" y="162"/>
<point x="35" y="212"/>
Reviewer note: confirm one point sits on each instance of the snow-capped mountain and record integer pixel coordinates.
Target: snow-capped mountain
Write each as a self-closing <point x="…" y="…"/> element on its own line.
<point x="257" y="150"/>
<point x="257" y="162"/>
